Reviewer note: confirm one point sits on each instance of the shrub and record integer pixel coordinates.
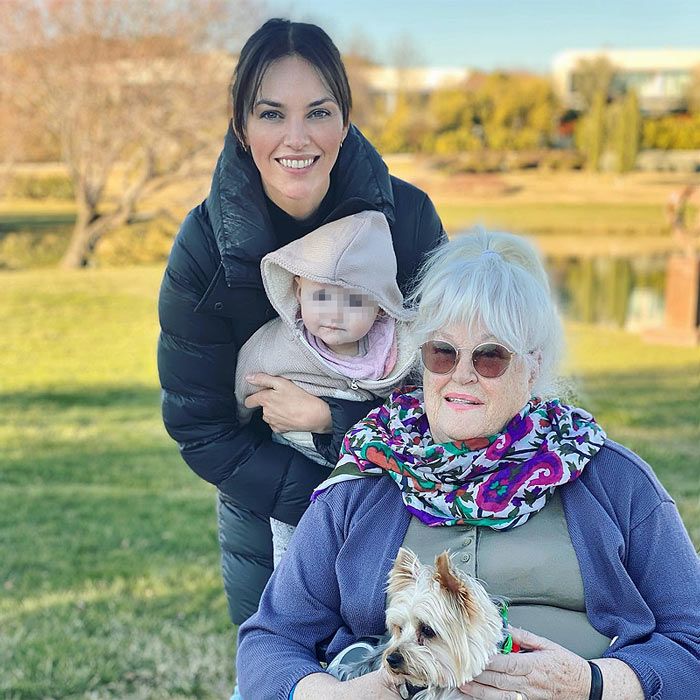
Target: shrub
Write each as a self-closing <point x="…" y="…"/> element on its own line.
<point x="491" y="161"/>
<point x="20" y="250"/>
<point x="36" y="186"/>
<point x="482" y="161"/>
<point x="140" y="243"/>
<point x="680" y="132"/>
<point x="456" y="141"/>
<point x="562" y="159"/>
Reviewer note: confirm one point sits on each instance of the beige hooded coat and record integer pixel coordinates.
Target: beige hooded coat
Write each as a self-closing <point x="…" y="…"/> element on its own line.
<point x="353" y="252"/>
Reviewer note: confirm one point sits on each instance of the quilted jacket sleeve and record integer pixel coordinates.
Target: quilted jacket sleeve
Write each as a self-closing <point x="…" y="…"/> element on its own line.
<point x="344" y="414"/>
<point x="197" y="352"/>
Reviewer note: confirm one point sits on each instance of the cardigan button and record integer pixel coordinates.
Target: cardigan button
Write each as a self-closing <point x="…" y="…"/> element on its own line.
<point x="218" y="306"/>
<point x="467" y="542"/>
<point x="466" y="558"/>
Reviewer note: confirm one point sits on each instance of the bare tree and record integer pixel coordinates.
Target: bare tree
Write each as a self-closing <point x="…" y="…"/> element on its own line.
<point x="134" y="94"/>
<point x="404" y="55"/>
<point x="594" y="77"/>
<point x="358" y="60"/>
<point x="404" y="52"/>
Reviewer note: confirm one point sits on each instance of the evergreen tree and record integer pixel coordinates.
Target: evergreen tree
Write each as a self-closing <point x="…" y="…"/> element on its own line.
<point x="590" y="134"/>
<point x="631" y="132"/>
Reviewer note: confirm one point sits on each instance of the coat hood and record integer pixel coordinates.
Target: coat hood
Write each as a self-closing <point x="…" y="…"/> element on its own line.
<point x="354" y="252"/>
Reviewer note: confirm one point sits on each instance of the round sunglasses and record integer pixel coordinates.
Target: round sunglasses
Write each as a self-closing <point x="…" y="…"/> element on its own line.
<point x="489" y="360"/>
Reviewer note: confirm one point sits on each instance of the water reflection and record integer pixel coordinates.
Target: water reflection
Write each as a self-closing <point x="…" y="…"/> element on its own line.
<point x="623" y="292"/>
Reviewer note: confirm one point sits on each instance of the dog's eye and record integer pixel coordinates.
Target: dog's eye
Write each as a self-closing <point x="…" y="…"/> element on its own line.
<point x="427" y="632"/>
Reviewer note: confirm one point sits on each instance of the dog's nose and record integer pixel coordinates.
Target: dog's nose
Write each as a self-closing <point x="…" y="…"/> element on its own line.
<point x="395" y="660"/>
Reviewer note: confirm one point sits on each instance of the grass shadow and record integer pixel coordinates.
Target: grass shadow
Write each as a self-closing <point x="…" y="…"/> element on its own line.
<point x="672" y="398"/>
<point x="102" y="396"/>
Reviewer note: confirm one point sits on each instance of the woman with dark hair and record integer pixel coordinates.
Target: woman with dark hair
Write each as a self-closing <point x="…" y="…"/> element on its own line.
<point x="291" y="162"/>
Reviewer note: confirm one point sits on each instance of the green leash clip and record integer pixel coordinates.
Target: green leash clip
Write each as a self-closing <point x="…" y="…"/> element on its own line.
<point x="506" y="646"/>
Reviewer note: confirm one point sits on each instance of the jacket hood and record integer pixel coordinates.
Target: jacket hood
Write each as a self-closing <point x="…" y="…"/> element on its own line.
<point x="354" y="252"/>
<point x="238" y="211"/>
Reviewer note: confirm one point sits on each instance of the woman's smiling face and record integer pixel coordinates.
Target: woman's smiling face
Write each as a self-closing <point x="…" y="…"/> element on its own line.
<point x="294" y="133"/>
<point x="462" y="404"/>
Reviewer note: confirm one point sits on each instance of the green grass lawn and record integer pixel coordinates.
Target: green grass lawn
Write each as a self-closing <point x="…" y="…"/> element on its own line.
<point x="108" y="558"/>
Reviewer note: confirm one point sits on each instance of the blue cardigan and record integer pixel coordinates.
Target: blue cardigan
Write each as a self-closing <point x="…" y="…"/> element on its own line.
<point x="640" y="572"/>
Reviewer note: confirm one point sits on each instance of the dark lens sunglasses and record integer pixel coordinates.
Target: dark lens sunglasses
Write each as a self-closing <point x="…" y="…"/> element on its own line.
<point x="489" y="360"/>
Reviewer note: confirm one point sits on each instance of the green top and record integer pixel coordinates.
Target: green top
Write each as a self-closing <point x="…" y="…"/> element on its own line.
<point x="533" y="566"/>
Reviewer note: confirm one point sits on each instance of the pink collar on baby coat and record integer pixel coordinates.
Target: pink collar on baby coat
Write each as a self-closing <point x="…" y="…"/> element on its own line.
<point x="377" y="356"/>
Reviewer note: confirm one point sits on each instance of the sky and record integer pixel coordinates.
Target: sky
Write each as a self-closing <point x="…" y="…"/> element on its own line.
<point x="491" y="34"/>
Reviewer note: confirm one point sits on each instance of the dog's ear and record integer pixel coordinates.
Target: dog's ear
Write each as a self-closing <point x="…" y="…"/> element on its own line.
<point x="404" y="571"/>
<point x="454" y="585"/>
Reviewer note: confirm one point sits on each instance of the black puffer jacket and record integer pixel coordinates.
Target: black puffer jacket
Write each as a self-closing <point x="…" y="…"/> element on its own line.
<point x="211" y="301"/>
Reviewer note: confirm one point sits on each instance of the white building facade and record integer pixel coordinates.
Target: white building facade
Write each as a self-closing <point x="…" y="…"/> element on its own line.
<point x="660" y="77"/>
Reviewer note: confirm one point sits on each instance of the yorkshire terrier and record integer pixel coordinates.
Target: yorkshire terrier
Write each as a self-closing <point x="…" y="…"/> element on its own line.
<point x="442" y="630"/>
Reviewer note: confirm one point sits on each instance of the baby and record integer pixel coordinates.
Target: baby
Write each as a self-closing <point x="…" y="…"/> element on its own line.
<point x="339" y="332"/>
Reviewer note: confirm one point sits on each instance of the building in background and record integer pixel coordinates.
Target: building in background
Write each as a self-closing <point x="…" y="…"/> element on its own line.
<point x="386" y="83"/>
<point x="661" y="77"/>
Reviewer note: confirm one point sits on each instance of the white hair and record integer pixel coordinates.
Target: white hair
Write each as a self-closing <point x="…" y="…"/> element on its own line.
<point x="495" y="281"/>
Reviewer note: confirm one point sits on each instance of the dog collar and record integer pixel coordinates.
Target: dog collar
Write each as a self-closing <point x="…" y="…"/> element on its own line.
<point x="507" y="645"/>
<point x="407" y="690"/>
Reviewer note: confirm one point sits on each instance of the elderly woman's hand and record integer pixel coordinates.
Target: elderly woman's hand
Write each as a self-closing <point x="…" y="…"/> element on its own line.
<point x="287" y="407"/>
<point x="546" y="672"/>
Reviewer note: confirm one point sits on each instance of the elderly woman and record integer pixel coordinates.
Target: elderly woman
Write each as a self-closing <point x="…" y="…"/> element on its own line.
<point x="291" y="162"/>
<point x="529" y="493"/>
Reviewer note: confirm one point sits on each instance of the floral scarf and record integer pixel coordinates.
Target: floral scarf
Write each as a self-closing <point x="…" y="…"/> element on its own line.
<point x="497" y="481"/>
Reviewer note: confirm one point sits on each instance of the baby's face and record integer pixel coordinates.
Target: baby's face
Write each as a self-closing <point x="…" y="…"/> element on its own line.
<point x="336" y="315"/>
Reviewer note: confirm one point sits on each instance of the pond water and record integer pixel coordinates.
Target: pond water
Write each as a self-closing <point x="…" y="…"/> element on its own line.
<point x="623" y="292"/>
<point x="30" y="240"/>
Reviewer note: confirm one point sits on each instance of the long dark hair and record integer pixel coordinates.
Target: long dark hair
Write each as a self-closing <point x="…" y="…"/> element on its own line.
<point x="276" y="39"/>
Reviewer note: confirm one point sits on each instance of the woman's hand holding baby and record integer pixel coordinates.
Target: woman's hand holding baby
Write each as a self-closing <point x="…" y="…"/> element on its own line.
<point x="286" y="407"/>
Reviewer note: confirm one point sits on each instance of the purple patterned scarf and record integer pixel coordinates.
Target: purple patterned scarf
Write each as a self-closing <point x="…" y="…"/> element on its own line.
<point x="497" y="481"/>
